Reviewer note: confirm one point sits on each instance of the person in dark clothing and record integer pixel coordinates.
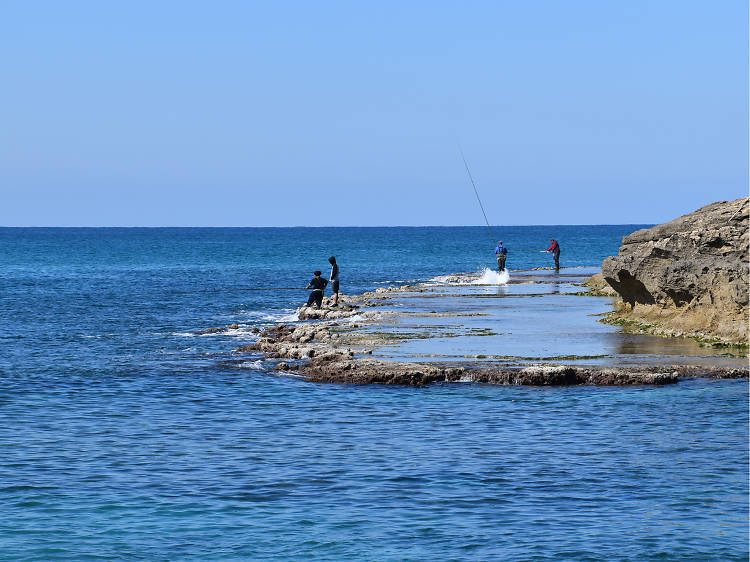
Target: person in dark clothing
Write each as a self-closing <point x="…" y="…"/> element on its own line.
<point x="334" y="280"/>
<point x="502" y="254"/>
<point x="318" y="285"/>
<point x="555" y="249"/>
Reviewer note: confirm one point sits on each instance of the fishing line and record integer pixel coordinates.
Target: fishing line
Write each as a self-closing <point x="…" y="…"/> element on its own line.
<point x="251" y="289"/>
<point x="492" y="235"/>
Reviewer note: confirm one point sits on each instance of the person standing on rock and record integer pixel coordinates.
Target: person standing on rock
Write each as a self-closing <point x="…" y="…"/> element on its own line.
<point x="334" y="279"/>
<point x="555" y="249"/>
<point x="502" y="254"/>
<point x="318" y="285"/>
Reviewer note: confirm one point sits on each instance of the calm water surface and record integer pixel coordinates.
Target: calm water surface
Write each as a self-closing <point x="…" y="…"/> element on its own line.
<point x="123" y="436"/>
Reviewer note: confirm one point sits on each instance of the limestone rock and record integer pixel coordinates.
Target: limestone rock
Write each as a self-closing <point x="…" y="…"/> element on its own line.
<point x="688" y="276"/>
<point x="598" y="286"/>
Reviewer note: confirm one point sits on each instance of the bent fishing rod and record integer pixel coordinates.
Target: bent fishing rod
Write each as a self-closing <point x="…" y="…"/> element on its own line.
<point x="492" y="234"/>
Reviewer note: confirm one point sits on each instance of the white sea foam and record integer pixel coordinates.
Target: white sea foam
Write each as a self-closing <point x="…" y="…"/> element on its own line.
<point x="490" y="277"/>
<point x="357" y="318"/>
<point x="285" y="316"/>
<point x="243" y="330"/>
<point x="293" y="317"/>
<point x="484" y="277"/>
<point x="258" y="365"/>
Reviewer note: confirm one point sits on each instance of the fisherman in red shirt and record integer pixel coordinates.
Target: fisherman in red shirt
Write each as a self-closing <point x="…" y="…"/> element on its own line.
<point x="555" y="249"/>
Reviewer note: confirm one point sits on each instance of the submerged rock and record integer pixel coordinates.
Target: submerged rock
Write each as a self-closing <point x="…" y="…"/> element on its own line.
<point x="220" y="330"/>
<point x="688" y="276"/>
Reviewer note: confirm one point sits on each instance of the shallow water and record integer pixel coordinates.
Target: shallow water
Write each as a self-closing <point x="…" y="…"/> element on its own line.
<point x="531" y="317"/>
<point x="125" y="434"/>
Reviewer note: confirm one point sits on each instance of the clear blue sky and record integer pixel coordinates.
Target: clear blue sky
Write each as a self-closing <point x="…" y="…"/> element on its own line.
<point x="348" y="113"/>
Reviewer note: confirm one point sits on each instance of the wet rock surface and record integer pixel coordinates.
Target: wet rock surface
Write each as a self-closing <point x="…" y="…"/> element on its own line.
<point x="336" y="344"/>
<point x="688" y="276"/>
<point x="336" y="353"/>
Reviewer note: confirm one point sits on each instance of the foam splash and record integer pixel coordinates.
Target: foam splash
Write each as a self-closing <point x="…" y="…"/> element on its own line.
<point x="294" y="317"/>
<point x="490" y="277"/>
<point x="243" y="331"/>
<point x="486" y="276"/>
<point x="256" y="365"/>
<point x="285" y="316"/>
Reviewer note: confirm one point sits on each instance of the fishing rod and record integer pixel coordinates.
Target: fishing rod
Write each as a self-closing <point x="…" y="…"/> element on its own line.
<point x="252" y="289"/>
<point x="492" y="235"/>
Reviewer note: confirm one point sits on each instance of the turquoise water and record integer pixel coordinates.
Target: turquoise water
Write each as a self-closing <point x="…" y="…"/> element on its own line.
<point x="123" y="434"/>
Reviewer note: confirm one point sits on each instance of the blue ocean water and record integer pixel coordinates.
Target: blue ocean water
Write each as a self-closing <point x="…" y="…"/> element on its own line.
<point x="123" y="434"/>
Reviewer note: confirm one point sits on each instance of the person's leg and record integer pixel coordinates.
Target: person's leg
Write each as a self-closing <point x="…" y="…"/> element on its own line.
<point x="557" y="261"/>
<point x="311" y="299"/>
<point x="335" y="293"/>
<point x="318" y="298"/>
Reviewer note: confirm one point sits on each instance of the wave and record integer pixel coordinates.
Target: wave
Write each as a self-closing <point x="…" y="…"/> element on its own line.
<point x="257" y="365"/>
<point x="235" y="330"/>
<point x="486" y="276"/>
<point x="286" y="315"/>
<point x="490" y="277"/>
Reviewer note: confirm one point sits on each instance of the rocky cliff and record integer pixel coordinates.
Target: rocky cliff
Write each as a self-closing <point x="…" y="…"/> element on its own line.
<point x="688" y="276"/>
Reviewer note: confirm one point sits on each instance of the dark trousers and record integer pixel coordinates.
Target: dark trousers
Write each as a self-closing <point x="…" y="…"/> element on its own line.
<point x="557" y="260"/>
<point x="315" y="297"/>
<point x="501" y="261"/>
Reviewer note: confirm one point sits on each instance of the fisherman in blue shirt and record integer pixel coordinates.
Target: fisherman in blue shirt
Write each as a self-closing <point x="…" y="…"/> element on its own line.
<point x="502" y="253"/>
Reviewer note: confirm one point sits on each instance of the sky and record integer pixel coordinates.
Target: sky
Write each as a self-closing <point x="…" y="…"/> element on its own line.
<point x="180" y="113"/>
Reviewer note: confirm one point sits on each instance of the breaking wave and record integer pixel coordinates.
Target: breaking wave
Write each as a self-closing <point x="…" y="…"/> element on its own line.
<point x="261" y="316"/>
<point x="486" y="276"/>
<point x="490" y="277"/>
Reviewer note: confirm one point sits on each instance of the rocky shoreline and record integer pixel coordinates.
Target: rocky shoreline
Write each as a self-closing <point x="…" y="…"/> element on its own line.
<point x="335" y="345"/>
<point x="687" y="277"/>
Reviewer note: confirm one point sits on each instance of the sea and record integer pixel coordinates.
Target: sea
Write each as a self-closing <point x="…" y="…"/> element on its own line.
<point x="131" y="431"/>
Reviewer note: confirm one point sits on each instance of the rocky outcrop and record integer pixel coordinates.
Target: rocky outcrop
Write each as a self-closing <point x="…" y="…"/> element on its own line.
<point x="688" y="276"/>
<point x="321" y="354"/>
<point x="373" y="371"/>
<point x="598" y="287"/>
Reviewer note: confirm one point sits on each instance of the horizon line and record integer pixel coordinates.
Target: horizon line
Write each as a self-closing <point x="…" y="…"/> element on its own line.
<point x="337" y="226"/>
